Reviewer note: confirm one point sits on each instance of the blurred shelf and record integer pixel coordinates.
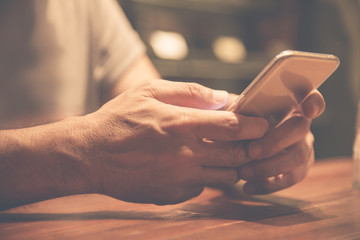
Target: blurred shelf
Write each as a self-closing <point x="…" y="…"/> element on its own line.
<point x="216" y="6"/>
<point x="209" y="69"/>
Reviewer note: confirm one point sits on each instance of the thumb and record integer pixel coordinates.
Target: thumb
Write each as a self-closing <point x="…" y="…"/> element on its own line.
<point x="189" y="95"/>
<point x="313" y="105"/>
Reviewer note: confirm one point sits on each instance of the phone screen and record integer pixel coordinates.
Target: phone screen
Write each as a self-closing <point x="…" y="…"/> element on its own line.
<point x="277" y="92"/>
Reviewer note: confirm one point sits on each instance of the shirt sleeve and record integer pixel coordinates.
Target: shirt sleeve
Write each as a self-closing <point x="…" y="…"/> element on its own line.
<point x="115" y="45"/>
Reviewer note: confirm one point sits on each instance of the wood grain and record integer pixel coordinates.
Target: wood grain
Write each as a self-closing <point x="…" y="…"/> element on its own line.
<point x="323" y="206"/>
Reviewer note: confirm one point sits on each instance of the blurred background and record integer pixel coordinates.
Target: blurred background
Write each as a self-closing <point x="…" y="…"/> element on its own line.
<point x="224" y="44"/>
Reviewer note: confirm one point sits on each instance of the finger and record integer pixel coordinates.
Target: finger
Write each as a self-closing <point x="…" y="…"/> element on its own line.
<point x="277" y="139"/>
<point x="232" y="98"/>
<point x="187" y="94"/>
<point x="222" y="154"/>
<point x="292" y="158"/>
<point x="313" y="105"/>
<point x="277" y="183"/>
<point x="281" y="181"/>
<point x="221" y="125"/>
<point x="212" y="176"/>
<point x="215" y="125"/>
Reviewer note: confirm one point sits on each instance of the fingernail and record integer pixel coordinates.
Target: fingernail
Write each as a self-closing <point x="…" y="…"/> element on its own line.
<point x="316" y="110"/>
<point x="246" y="173"/>
<point x="254" y="150"/>
<point x="220" y="96"/>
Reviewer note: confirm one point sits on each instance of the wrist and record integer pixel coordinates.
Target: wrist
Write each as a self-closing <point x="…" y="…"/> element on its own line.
<point x="40" y="163"/>
<point x="64" y="146"/>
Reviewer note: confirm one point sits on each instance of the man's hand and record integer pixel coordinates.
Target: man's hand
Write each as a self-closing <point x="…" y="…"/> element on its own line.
<point x="161" y="143"/>
<point x="285" y="154"/>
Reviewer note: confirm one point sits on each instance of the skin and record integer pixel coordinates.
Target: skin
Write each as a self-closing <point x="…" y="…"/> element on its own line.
<point x="157" y="142"/>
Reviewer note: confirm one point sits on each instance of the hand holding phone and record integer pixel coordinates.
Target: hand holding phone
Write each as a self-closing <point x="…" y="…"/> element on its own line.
<point x="277" y="92"/>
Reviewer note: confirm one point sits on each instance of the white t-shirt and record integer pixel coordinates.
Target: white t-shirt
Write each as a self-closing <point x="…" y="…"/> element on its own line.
<point x="57" y="57"/>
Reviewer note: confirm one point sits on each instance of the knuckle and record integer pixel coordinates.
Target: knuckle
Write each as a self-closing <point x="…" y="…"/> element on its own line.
<point x="149" y="88"/>
<point x="240" y="127"/>
<point x="196" y="89"/>
<point x="234" y="126"/>
<point x="176" y="123"/>
<point x="238" y="155"/>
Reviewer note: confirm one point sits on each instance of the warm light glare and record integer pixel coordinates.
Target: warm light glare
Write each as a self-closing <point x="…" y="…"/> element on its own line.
<point x="169" y="45"/>
<point x="229" y="49"/>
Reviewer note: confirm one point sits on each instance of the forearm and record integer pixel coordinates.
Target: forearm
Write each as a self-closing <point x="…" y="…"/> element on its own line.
<point x="40" y="163"/>
<point x="140" y="72"/>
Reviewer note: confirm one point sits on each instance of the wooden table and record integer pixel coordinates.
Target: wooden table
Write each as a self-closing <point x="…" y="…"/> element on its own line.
<point x="324" y="206"/>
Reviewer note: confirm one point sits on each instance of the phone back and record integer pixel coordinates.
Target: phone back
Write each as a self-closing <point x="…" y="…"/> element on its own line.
<point x="286" y="81"/>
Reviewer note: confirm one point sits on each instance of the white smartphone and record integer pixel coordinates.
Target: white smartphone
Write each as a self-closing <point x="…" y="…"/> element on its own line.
<point x="277" y="92"/>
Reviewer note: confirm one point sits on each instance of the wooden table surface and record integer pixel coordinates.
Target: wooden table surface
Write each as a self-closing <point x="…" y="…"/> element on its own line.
<point x="323" y="206"/>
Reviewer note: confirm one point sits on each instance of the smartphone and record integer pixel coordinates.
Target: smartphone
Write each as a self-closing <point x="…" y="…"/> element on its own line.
<point x="277" y="92"/>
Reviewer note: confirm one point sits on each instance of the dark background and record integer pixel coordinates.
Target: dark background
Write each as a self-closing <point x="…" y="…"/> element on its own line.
<point x="266" y="27"/>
